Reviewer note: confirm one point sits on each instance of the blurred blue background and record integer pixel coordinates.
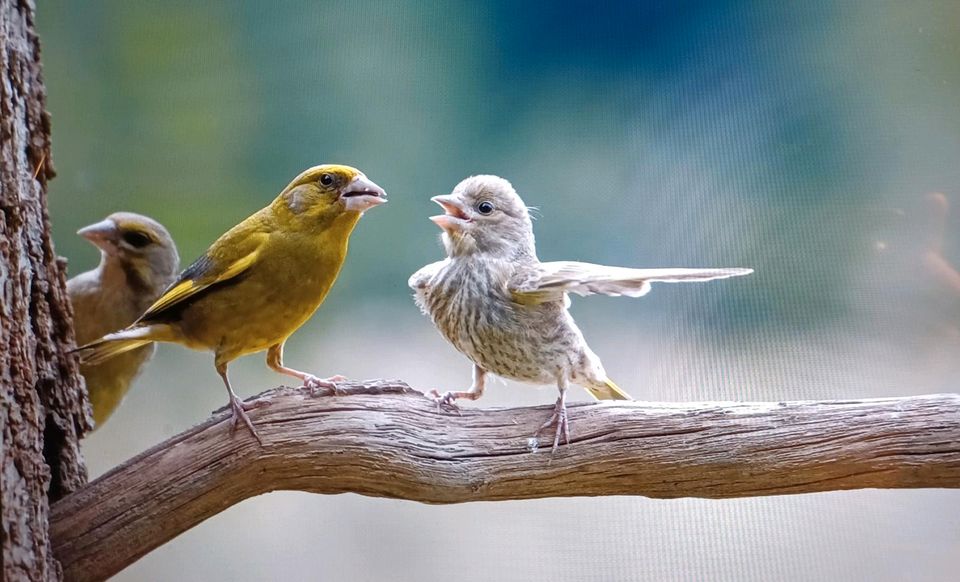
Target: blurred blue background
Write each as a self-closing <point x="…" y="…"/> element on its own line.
<point x="817" y="143"/>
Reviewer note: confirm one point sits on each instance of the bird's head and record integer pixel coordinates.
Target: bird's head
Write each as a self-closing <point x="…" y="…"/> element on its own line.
<point x="326" y="192"/>
<point x="484" y="214"/>
<point x="139" y="245"/>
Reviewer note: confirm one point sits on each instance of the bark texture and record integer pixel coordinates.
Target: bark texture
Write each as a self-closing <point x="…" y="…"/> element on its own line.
<point x="384" y="439"/>
<point x="43" y="409"/>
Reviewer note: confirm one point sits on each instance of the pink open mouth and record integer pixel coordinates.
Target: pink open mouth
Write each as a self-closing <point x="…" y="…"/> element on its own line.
<point x="455" y="217"/>
<point x="453" y="210"/>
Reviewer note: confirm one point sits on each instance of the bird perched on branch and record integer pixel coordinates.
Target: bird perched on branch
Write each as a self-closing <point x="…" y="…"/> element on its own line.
<point x="138" y="259"/>
<point x="506" y="311"/>
<point x="259" y="282"/>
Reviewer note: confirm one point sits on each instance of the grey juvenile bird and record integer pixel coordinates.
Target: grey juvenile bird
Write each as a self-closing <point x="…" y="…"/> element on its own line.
<point x="506" y="311"/>
<point x="137" y="261"/>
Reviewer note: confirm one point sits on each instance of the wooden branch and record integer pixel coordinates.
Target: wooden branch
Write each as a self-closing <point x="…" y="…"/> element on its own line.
<point x="384" y="439"/>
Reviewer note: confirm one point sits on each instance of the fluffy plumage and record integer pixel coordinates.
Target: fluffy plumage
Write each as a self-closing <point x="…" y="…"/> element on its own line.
<point x="260" y="281"/>
<point x="506" y="311"/>
<point x="138" y="259"/>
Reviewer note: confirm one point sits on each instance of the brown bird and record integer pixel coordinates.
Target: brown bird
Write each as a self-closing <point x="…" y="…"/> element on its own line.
<point x="260" y="281"/>
<point x="138" y="259"/>
<point x="506" y="311"/>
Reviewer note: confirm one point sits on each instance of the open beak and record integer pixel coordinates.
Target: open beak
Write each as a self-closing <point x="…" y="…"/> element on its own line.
<point x="455" y="218"/>
<point x="102" y="234"/>
<point x="361" y="194"/>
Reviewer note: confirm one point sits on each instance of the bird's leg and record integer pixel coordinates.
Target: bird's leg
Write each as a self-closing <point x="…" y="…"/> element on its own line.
<point x="275" y="361"/>
<point x="559" y="417"/>
<point x="475" y="391"/>
<point x="238" y="407"/>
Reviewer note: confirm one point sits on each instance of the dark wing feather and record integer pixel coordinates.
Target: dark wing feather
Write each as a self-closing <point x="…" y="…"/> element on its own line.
<point x="206" y="272"/>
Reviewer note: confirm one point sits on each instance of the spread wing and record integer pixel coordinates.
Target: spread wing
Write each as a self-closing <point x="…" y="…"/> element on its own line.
<point x="551" y="281"/>
<point x="231" y="256"/>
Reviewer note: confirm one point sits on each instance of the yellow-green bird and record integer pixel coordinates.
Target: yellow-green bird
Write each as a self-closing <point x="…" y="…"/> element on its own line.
<point x="258" y="282"/>
<point x="138" y="260"/>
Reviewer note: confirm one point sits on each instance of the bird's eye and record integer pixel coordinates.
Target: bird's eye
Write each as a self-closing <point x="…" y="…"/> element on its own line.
<point x="136" y="239"/>
<point x="326" y="179"/>
<point x="485" y="207"/>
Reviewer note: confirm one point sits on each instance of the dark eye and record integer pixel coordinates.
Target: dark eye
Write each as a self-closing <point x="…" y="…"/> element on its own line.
<point x="326" y="179"/>
<point x="136" y="239"/>
<point x="485" y="207"/>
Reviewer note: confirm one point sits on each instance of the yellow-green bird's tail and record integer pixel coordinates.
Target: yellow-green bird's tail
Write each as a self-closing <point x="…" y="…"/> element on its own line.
<point x="116" y="343"/>
<point x="607" y="390"/>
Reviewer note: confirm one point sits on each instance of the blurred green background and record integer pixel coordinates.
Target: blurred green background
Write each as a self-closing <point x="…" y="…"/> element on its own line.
<point x="802" y="140"/>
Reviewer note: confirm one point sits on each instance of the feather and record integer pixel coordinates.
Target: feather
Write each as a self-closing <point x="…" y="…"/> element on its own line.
<point x="202" y="274"/>
<point x="608" y="391"/>
<point x="116" y="343"/>
<point x="550" y="281"/>
<point x="421" y="278"/>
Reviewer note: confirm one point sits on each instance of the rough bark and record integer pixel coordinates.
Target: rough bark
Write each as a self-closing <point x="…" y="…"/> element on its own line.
<point x="385" y="440"/>
<point x="43" y="411"/>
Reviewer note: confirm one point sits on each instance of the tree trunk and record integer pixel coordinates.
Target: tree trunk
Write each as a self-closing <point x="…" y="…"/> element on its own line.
<point x="43" y="408"/>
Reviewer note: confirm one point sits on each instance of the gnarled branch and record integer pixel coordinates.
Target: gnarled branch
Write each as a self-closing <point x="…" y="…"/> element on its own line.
<point x="384" y="439"/>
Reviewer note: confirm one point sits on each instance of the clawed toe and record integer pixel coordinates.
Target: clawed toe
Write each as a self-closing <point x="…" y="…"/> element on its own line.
<point x="445" y="400"/>
<point x="316" y="384"/>
<point x="249" y="405"/>
<point x="558" y="418"/>
<point x="239" y="409"/>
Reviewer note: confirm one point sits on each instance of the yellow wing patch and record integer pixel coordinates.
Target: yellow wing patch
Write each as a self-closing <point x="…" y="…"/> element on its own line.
<point x="530" y="298"/>
<point x="173" y="295"/>
<point x="190" y="287"/>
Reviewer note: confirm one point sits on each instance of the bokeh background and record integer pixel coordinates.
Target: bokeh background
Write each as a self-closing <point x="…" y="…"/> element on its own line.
<point x="817" y="142"/>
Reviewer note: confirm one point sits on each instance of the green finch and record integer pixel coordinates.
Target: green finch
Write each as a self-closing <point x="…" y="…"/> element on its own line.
<point x="137" y="261"/>
<point x="259" y="282"/>
<point x="506" y="311"/>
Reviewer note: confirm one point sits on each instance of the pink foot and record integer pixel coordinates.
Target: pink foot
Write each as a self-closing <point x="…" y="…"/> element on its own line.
<point x="315" y="384"/>
<point x="447" y="399"/>
<point x="559" y="418"/>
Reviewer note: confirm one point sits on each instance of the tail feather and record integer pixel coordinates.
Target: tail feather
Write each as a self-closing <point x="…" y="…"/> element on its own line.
<point x="116" y="343"/>
<point x="608" y="391"/>
<point x="102" y="350"/>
